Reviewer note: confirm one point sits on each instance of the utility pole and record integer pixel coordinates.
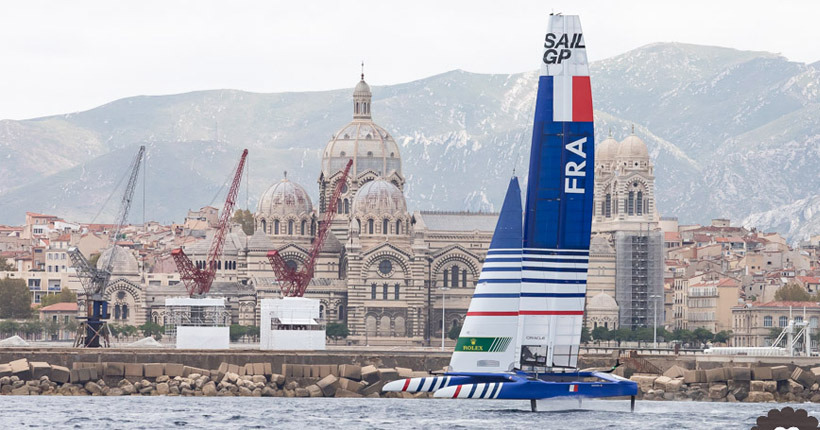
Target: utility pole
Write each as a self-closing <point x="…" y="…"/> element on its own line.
<point x="655" y="298"/>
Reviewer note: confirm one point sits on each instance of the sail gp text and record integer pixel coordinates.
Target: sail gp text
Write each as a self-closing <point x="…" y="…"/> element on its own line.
<point x="573" y="170"/>
<point x="560" y="48"/>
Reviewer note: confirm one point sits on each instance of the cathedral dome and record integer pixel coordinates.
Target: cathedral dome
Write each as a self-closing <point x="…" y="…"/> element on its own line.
<point x="602" y="301"/>
<point x="283" y="199"/>
<point x="606" y="150"/>
<point x="379" y="197"/>
<point x="633" y="147"/>
<point x="371" y="147"/>
<point x="124" y="262"/>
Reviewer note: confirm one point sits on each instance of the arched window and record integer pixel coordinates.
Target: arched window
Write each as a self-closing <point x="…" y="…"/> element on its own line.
<point x="455" y="276"/>
<point x="396" y="293"/>
<point x="125" y="312"/>
<point x="373" y="292"/>
<point x="783" y="321"/>
<point x="813" y="322"/>
<point x="264" y="226"/>
<point x="341" y="312"/>
<point x="290" y="227"/>
<point x="384" y="292"/>
<point x="276" y="226"/>
<point x="608" y="206"/>
<point x="446" y="275"/>
<point x="347" y="206"/>
<point x="339" y="207"/>
<point x="370" y="226"/>
<point x="798" y="320"/>
<point x="384" y="226"/>
<point x="640" y="203"/>
<point x="304" y="228"/>
<point x="357" y="107"/>
<point x="116" y="312"/>
<point x="630" y="203"/>
<point x="398" y="227"/>
<point x="219" y="265"/>
<point x="321" y="312"/>
<point x="313" y="228"/>
<point x="464" y="278"/>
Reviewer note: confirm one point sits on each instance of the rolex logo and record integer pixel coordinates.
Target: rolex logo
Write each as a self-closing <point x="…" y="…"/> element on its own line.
<point x="472" y="341"/>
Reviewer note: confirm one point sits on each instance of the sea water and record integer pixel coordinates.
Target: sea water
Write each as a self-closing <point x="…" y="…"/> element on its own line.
<point x="52" y="412"/>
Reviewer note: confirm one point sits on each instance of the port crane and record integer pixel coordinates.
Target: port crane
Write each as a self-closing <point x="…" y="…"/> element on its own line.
<point x="294" y="282"/>
<point x="94" y="332"/>
<point x="198" y="279"/>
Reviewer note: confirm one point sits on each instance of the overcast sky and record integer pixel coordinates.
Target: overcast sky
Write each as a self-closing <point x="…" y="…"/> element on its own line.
<point x="67" y="56"/>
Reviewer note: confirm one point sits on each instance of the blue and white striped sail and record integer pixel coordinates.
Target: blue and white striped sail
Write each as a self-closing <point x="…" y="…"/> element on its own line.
<point x="488" y="338"/>
<point x="558" y="211"/>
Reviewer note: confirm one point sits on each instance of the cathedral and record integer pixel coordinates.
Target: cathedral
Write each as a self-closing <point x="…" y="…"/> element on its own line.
<point x="395" y="276"/>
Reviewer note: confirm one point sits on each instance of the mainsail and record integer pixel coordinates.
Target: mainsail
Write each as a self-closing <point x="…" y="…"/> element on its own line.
<point x="536" y="279"/>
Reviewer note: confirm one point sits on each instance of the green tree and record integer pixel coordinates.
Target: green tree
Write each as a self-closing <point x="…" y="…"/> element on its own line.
<point x="64" y="296"/>
<point x="622" y="335"/>
<point x="586" y="336"/>
<point x="252" y="332"/>
<point x="244" y="217"/>
<point x="129" y="331"/>
<point x="236" y="332"/>
<point x="455" y="330"/>
<point x="31" y="328"/>
<point x="703" y="335"/>
<point x="5" y="266"/>
<point x="337" y="331"/>
<point x="9" y="328"/>
<point x="792" y="293"/>
<point x="600" y="333"/>
<point x="723" y="336"/>
<point x="152" y="329"/>
<point x="684" y="336"/>
<point x="15" y="299"/>
<point x="52" y="328"/>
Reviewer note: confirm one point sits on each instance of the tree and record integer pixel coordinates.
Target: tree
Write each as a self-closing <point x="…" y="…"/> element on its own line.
<point x="455" y="330"/>
<point x="8" y="328"/>
<point x="64" y="296"/>
<point x="52" y="328"/>
<point x="244" y="217"/>
<point x="600" y="333"/>
<point x="152" y="329"/>
<point x="585" y="335"/>
<point x="622" y="335"/>
<point x="337" y="331"/>
<point x="684" y="336"/>
<point x="5" y="266"/>
<point x="236" y="332"/>
<point x="15" y="299"/>
<point x="252" y="331"/>
<point x="723" y="336"/>
<point x="702" y="335"/>
<point x="31" y="328"/>
<point x="792" y="293"/>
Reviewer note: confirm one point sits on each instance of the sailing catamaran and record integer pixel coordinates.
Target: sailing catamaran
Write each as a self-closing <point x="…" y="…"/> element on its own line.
<point x="522" y="332"/>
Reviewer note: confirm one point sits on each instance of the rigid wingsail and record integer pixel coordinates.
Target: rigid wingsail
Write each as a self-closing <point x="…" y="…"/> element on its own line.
<point x="521" y="335"/>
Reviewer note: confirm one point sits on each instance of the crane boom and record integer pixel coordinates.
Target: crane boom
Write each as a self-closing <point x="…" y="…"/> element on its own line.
<point x="198" y="280"/>
<point x="294" y="283"/>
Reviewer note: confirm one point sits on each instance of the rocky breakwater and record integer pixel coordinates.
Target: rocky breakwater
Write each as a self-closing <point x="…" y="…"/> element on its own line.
<point x="21" y="377"/>
<point x="785" y="383"/>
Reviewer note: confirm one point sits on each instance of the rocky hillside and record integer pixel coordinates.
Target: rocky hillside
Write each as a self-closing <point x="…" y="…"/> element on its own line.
<point x="733" y="134"/>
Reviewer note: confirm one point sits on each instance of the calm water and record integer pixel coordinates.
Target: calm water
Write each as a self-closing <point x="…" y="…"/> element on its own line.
<point x="321" y="414"/>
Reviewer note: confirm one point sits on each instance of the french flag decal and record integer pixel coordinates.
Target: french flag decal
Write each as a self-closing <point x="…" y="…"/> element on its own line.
<point x="573" y="388"/>
<point x="571" y="99"/>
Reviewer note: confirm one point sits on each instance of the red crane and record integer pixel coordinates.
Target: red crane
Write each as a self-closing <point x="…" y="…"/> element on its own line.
<point x="198" y="280"/>
<point x="293" y="282"/>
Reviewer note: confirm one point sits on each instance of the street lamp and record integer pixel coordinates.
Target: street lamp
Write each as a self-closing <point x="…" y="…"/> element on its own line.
<point x="654" y="298"/>
<point x="443" y="308"/>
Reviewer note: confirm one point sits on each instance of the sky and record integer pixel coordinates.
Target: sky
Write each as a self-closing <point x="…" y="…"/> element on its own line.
<point x="61" y="57"/>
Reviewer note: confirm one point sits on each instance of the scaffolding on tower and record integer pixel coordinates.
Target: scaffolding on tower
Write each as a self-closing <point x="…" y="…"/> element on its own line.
<point x="293" y="282"/>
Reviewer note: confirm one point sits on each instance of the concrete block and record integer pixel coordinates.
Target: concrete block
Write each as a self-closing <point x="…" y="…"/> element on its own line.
<point x="329" y="384"/>
<point x="259" y="369"/>
<point x="268" y="369"/>
<point x="174" y="369"/>
<point x="675" y="372"/>
<point x="114" y="369"/>
<point x="75" y="376"/>
<point x="249" y="369"/>
<point x="133" y="370"/>
<point x="388" y="374"/>
<point x="715" y="375"/>
<point x="324" y="370"/>
<point x="694" y="376"/>
<point x="661" y="382"/>
<point x="21" y="369"/>
<point x="314" y="391"/>
<point x="350" y="371"/>
<point x="816" y="372"/>
<point x="287" y="372"/>
<point x="60" y="374"/>
<point x="40" y="369"/>
<point x="421" y="374"/>
<point x="780" y="373"/>
<point x="741" y="374"/>
<point x="370" y="374"/>
<point x="152" y="370"/>
<point x="334" y="370"/>
<point x="84" y="374"/>
<point x="345" y="393"/>
<point x="762" y="373"/>
<point x="645" y="382"/>
<point x="5" y="370"/>
<point x="188" y="370"/>
<point x="350" y="385"/>
<point x="404" y="372"/>
<point x="804" y="377"/>
<point x="375" y="387"/>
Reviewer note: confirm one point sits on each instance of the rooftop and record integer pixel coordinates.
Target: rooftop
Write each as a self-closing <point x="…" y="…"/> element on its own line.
<point x="61" y="307"/>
